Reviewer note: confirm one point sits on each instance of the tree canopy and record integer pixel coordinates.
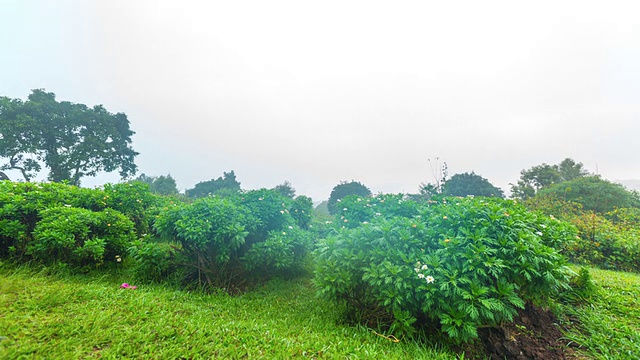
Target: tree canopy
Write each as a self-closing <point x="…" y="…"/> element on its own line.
<point x="286" y="189"/>
<point x="71" y="140"/>
<point x="542" y="176"/>
<point x="466" y="184"/>
<point x="594" y="193"/>
<point x="343" y="190"/>
<point x="222" y="185"/>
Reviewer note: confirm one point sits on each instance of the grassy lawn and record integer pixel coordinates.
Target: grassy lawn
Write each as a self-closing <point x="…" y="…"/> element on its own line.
<point x="89" y="316"/>
<point x="76" y="317"/>
<point x="609" y="325"/>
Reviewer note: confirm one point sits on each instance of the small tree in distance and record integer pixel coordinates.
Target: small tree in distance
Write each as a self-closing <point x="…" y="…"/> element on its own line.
<point x="286" y="189"/>
<point x="163" y="185"/>
<point x="222" y="185"/>
<point x="470" y="184"/>
<point x="343" y="190"/>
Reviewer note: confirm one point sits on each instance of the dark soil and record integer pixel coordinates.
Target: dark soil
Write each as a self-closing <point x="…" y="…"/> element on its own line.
<point x="534" y="334"/>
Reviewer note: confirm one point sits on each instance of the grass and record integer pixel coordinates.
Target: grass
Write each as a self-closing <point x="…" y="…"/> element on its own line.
<point x="608" y="326"/>
<point x="89" y="316"/>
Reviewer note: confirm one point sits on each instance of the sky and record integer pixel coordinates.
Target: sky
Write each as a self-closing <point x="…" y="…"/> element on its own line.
<point x="320" y="92"/>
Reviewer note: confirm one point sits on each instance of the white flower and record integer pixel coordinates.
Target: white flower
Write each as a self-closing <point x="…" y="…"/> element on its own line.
<point x="539" y="233"/>
<point x="345" y="209"/>
<point x="365" y="222"/>
<point x="430" y="279"/>
<point x="543" y="226"/>
<point x="67" y="205"/>
<point x="424" y="267"/>
<point x="421" y="276"/>
<point x="290" y="227"/>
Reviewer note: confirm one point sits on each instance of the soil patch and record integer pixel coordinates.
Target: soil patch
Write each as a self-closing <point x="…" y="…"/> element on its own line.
<point x="534" y="334"/>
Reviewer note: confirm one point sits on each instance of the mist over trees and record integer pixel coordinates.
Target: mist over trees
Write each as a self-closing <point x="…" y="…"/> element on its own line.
<point x="71" y="140"/>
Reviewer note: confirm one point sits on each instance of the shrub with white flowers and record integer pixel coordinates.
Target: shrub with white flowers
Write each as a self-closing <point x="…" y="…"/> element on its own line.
<point x="451" y="266"/>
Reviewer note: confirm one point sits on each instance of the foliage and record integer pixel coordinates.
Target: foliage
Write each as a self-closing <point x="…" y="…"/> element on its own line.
<point x="301" y="210"/>
<point x="459" y="264"/>
<point x="153" y="260"/>
<point x="466" y="184"/>
<point x="230" y="242"/>
<point x="343" y="190"/>
<point x="80" y="237"/>
<point x="358" y="210"/>
<point x="24" y="205"/>
<point x="162" y="185"/>
<point x="226" y="185"/>
<point x="594" y="193"/>
<point x="610" y="241"/>
<point x="541" y="176"/>
<point x="72" y="140"/>
<point x="286" y="189"/>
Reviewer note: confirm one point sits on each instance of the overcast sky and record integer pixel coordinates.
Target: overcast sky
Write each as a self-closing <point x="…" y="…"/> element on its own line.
<point x="324" y="91"/>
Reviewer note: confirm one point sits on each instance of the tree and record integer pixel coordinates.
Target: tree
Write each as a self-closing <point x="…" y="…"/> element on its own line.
<point x="343" y="190"/>
<point x="71" y="140"/>
<point x="594" y="193"/>
<point x="470" y="184"/>
<point x="286" y="189"/>
<point x="163" y="185"/>
<point x="542" y="176"/>
<point x="222" y="185"/>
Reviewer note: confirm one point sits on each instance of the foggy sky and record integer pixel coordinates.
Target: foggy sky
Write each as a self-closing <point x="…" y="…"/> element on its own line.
<point x="320" y="92"/>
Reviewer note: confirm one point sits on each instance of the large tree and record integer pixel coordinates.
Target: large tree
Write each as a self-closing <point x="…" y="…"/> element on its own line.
<point x="71" y="140"/>
<point x="466" y="184"/>
<point x="542" y="176"/>
<point x="343" y="190"/>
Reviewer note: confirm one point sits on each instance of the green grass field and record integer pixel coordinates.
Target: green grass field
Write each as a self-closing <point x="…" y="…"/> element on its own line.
<point x="89" y="316"/>
<point x="76" y="317"/>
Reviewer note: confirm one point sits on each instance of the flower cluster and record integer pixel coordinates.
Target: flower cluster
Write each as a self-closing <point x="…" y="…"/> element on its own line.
<point x="419" y="270"/>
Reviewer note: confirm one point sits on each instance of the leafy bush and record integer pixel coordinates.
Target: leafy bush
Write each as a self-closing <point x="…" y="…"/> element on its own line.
<point x="80" y="237"/>
<point x="231" y="242"/>
<point x="153" y="260"/>
<point x="459" y="264"/>
<point x="594" y="193"/>
<point x="610" y="241"/>
<point x="355" y="210"/>
<point x="24" y="205"/>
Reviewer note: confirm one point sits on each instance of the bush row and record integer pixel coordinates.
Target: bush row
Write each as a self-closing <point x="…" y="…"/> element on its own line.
<point x="608" y="240"/>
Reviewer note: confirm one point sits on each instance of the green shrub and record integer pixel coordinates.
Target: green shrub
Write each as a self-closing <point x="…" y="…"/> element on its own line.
<point x="22" y="206"/>
<point x="152" y="260"/>
<point x="230" y="242"/>
<point x="610" y="241"/>
<point x="458" y="265"/>
<point x="80" y="237"/>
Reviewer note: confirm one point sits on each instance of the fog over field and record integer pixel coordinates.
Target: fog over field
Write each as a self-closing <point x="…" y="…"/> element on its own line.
<point x="319" y="92"/>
